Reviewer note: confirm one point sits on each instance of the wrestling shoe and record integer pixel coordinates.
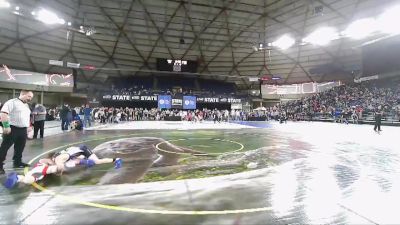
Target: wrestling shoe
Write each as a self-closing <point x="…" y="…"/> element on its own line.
<point x="11" y="180"/>
<point x="118" y="163"/>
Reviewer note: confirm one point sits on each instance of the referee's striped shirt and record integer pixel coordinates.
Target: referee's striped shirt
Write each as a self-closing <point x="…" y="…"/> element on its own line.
<point x="18" y="112"/>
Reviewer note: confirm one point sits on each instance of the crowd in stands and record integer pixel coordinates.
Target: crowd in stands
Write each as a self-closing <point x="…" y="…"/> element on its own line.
<point x="115" y="115"/>
<point x="346" y="102"/>
<point x="341" y="104"/>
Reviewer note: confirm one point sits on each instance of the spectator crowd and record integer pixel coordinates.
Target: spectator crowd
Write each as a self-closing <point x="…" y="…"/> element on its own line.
<point x="354" y="101"/>
<point x="341" y="104"/>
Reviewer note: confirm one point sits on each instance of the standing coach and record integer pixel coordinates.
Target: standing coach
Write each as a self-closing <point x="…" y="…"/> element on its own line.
<point x="15" y="117"/>
<point x="39" y="116"/>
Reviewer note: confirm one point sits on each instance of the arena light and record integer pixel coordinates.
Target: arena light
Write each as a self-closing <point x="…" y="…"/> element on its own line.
<point x="284" y="42"/>
<point x="4" y="4"/>
<point x="322" y="36"/>
<point x="48" y="17"/>
<point x="361" y="28"/>
<point x="388" y="21"/>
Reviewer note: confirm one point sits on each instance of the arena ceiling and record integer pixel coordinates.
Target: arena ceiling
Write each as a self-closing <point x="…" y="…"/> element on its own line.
<point x="220" y="35"/>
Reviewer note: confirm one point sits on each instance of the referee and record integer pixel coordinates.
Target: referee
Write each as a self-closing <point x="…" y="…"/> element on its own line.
<point x="15" y="118"/>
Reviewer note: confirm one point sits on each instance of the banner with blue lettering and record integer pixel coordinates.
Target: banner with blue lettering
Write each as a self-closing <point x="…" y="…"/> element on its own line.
<point x="164" y="101"/>
<point x="189" y="102"/>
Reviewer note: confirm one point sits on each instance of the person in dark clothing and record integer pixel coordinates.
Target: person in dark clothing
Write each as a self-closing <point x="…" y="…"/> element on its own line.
<point x="215" y="116"/>
<point x="87" y="118"/>
<point x="74" y="114"/>
<point x="64" y="117"/>
<point x="39" y="116"/>
<point x="378" y="118"/>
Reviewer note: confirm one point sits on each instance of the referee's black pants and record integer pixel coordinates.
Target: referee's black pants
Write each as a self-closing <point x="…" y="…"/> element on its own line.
<point x="17" y="137"/>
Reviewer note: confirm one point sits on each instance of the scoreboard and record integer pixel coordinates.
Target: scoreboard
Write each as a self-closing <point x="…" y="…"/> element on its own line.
<point x="175" y="65"/>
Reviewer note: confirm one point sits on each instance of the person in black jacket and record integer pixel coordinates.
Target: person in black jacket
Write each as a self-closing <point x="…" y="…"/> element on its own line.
<point x="378" y="118"/>
<point x="64" y="117"/>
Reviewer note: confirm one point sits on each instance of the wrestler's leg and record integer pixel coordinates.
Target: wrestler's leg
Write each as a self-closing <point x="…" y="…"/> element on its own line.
<point x="117" y="161"/>
<point x="37" y="173"/>
<point x="100" y="161"/>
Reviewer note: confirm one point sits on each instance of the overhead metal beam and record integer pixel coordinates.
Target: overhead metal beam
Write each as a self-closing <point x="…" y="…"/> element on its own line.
<point x="239" y="9"/>
<point x="202" y="30"/>
<point x="265" y="63"/>
<point x="124" y="33"/>
<point x="22" y="47"/>
<point x="157" y="28"/>
<point x="337" y="57"/>
<point x="300" y="46"/>
<point x="29" y="36"/>
<point x="229" y="36"/>
<point x="329" y="6"/>
<point x="160" y="35"/>
<point x="196" y="35"/>
<point x="103" y="50"/>
<point x="252" y="12"/>
<point x="298" y="64"/>
<point x="69" y="51"/>
<point x="116" y="42"/>
<point x="265" y="14"/>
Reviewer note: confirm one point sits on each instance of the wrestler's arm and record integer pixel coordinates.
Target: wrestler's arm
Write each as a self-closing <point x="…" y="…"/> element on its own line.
<point x="60" y="161"/>
<point x="47" y="161"/>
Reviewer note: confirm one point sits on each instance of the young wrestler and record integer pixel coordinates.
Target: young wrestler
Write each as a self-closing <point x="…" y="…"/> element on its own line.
<point x="58" y="163"/>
